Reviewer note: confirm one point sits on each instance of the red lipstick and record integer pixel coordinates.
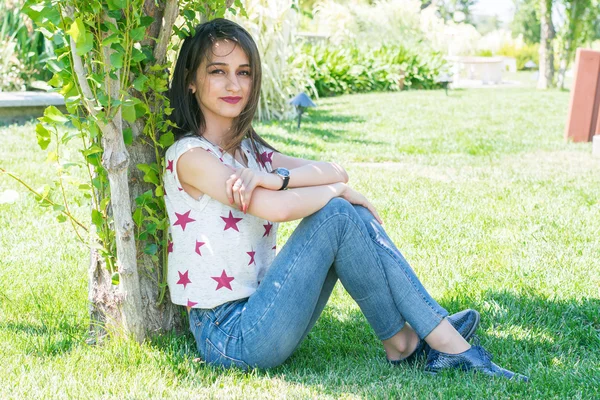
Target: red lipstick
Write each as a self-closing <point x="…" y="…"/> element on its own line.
<point x="231" y="100"/>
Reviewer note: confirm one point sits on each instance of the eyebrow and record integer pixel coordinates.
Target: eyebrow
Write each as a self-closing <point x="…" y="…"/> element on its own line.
<point x="220" y="63"/>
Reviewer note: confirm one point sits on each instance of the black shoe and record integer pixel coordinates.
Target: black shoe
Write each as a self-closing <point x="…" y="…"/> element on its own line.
<point x="465" y="322"/>
<point x="474" y="359"/>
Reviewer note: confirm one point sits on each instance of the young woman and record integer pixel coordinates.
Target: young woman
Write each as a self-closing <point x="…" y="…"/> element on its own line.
<point x="226" y="192"/>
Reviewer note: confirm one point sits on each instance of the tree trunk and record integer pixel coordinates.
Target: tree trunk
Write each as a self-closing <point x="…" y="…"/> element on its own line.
<point x="133" y="304"/>
<point x="546" y="72"/>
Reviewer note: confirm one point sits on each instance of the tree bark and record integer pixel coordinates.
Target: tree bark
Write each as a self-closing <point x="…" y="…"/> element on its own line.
<point x="546" y="71"/>
<point x="133" y="304"/>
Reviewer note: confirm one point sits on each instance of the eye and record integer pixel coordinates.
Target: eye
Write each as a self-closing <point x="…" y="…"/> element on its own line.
<point x="216" y="71"/>
<point x="245" y="73"/>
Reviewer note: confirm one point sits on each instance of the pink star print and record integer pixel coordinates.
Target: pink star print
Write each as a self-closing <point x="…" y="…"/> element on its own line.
<point x="198" y="245"/>
<point x="223" y="280"/>
<point x="231" y="222"/>
<point x="183" y="219"/>
<point x="268" y="227"/>
<point x="183" y="279"/>
<point x="191" y="303"/>
<point x="266" y="157"/>
<point x="170" y="166"/>
<point x="251" y="254"/>
<point x="170" y="247"/>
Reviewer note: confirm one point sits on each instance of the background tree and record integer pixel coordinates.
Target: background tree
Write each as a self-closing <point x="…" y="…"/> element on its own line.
<point x="448" y="9"/>
<point x="526" y="21"/>
<point x="111" y="66"/>
<point x="578" y="27"/>
<point x="546" y="71"/>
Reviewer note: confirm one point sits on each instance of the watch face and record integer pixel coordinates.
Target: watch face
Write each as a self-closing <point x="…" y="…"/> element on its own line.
<point x="282" y="172"/>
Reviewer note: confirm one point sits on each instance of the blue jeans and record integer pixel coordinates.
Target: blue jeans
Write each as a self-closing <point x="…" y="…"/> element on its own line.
<point x="340" y="241"/>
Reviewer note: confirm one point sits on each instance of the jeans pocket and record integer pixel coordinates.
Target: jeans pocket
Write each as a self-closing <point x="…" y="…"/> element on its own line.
<point x="216" y="357"/>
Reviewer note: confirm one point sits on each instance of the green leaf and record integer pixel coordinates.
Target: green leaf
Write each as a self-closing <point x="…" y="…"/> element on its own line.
<point x="128" y="112"/>
<point x="83" y="39"/>
<point x="43" y="136"/>
<point x="127" y="136"/>
<point x="115" y="279"/>
<point x="139" y="82"/>
<point x="145" y="197"/>
<point x="61" y="218"/>
<point x="138" y="34"/>
<point x="53" y="114"/>
<point x="159" y="191"/>
<point x="138" y="217"/>
<point x="93" y="149"/>
<point x="116" y="60"/>
<point x="167" y="139"/>
<point x="97" y="182"/>
<point x="151" y="228"/>
<point x="151" y="177"/>
<point x="97" y="218"/>
<point x="151" y="249"/>
<point x="85" y="186"/>
<point x="116" y="4"/>
<point x="104" y="203"/>
<point x="137" y="55"/>
<point x="52" y="157"/>
<point x="114" y="38"/>
<point x="189" y="14"/>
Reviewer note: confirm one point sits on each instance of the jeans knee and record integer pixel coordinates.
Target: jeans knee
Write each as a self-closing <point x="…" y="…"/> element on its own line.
<point x="337" y="203"/>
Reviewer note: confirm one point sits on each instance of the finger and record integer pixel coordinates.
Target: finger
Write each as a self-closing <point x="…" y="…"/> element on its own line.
<point x="229" y="187"/>
<point x="246" y="178"/>
<point x="236" y="192"/>
<point x="248" y="193"/>
<point x="375" y="214"/>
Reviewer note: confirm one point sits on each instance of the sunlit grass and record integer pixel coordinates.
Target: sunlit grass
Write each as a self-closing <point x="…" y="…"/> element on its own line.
<point x="480" y="192"/>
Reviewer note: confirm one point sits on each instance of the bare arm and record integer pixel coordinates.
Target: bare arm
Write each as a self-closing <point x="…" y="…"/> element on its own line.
<point x="305" y="173"/>
<point x="204" y="172"/>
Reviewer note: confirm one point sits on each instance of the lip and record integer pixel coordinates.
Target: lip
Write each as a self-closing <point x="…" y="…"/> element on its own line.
<point x="231" y="100"/>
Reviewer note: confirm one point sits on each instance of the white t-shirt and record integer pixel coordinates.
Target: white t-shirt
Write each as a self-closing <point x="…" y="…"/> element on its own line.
<point x="216" y="253"/>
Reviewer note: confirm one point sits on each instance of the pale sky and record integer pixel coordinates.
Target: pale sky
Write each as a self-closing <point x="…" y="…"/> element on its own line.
<point x="504" y="9"/>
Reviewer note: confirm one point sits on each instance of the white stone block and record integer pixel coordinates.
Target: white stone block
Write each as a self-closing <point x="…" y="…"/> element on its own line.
<point x="596" y="146"/>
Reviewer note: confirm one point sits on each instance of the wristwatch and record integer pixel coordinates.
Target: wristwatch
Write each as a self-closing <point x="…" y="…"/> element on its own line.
<point x="285" y="174"/>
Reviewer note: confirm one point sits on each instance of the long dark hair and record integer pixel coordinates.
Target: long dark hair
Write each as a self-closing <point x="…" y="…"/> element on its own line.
<point x="186" y="114"/>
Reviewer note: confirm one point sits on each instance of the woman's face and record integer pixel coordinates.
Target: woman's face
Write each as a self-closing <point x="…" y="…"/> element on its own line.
<point x="222" y="85"/>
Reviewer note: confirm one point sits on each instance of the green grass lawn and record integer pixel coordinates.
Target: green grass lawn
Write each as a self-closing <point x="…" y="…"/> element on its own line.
<point x="479" y="190"/>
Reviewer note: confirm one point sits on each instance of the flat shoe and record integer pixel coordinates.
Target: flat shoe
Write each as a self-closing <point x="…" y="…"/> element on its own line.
<point x="465" y="322"/>
<point x="475" y="359"/>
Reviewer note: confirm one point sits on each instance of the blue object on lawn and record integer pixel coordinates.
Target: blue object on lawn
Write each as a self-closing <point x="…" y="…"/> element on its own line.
<point x="301" y="101"/>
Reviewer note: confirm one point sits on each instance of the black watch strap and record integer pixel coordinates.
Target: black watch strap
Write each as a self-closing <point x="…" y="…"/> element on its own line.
<point x="286" y="179"/>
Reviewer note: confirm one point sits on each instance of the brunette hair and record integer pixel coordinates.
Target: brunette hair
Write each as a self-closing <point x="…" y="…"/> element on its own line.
<point x="186" y="115"/>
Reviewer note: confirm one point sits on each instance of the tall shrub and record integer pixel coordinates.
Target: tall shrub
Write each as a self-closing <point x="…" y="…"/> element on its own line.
<point x="273" y="25"/>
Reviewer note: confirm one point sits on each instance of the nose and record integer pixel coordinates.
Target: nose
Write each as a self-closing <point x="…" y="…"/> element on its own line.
<point x="233" y="84"/>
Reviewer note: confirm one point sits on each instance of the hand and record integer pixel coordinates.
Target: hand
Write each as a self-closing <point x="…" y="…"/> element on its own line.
<point x="241" y="184"/>
<point x="353" y="197"/>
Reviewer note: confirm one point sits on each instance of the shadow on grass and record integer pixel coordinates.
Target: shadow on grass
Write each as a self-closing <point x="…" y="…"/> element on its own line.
<point x="43" y="340"/>
<point x="525" y="332"/>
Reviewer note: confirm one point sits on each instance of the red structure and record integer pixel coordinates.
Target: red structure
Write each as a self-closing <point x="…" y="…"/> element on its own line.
<point x="584" y="112"/>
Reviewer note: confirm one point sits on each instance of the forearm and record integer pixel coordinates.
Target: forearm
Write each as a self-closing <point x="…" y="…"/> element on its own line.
<point x="317" y="173"/>
<point x="304" y="201"/>
<point x="314" y="174"/>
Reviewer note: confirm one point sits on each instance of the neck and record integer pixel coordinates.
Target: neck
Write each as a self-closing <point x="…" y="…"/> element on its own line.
<point x="217" y="128"/>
